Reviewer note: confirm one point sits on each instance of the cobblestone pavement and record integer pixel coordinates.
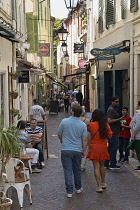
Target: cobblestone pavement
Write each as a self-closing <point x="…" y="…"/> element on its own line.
<point x="48" y="188"/>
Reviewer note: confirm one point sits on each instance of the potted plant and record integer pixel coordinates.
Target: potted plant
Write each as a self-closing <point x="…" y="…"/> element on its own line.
<point x="9" y="146"/>
<point x="16" y="74"/>
<point x="15" y="112"/>
<point x="14" y="94"/>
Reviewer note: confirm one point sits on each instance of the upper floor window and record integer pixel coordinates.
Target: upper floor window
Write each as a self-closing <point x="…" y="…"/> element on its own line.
<point x="110" y="12"/>
<point x="134" y="5"/>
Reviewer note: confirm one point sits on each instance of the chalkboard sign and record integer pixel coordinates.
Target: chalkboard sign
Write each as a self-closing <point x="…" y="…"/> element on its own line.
<point x="54" y="107"/>
<point x="42" y="124"/>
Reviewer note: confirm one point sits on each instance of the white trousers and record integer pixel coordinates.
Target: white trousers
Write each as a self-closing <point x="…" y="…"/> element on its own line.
<point x="35" y="152"/>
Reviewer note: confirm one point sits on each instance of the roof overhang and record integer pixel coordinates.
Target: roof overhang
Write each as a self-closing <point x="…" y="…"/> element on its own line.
<point x="56" y="81"/>
<point x="8" y="32"/>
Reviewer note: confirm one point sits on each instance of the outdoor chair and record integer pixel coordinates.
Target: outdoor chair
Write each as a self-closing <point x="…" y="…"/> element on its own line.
<point x="14" y="168"/>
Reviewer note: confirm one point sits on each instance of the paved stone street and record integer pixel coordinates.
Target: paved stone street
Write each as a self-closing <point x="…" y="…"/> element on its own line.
<point x="48" y="188"/>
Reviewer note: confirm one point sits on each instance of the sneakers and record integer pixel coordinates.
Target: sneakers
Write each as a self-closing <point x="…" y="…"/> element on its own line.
<point x="79" y="191"/>
<point x="99" y="189"/>
<point x="42" y="164"/>
<point x="36" y="170"/>
<point x="125" y="161"/>
<point x="69" y="195"/>
<point x="114" y="167"/>
<point x="107" y="167"/>
<point x="103" y="185"/>
<point x="138" y="168"/>
<point x="121" y="160"/>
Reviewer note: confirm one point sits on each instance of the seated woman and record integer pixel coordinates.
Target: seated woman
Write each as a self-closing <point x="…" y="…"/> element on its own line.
<point x="23" y="136"/>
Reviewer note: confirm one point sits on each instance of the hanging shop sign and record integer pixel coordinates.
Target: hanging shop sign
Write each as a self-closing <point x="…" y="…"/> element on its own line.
<point x="79" y="48"/>
<point x="82" y="63"/>
<point x="106" y="58"/>
<point x="112" y="51"/>
<point x="24" y="78"/>
<point x="44" y="49"/>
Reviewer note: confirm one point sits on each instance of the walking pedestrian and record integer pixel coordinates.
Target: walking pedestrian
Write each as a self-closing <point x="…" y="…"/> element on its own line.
<point x="35" y="134"/>
<point x="66" y="101"/>
<point x="86" y="121"/>
<point x="79" y="97"/>
<point x="36" y="111"/>
<point x="115" y="125"/>
<point x="72" y="133"/>
<point x="135" y="133"/>
<point x="124" y="136"/>
<point x="98" y="153"/>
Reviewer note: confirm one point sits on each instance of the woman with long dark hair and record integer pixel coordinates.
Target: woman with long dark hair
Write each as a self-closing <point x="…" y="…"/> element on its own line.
<point x="99" y="130"/>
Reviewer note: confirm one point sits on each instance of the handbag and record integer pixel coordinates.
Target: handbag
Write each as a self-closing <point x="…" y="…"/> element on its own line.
<point x="94" y="135"/>
<point x="131" y="145"/>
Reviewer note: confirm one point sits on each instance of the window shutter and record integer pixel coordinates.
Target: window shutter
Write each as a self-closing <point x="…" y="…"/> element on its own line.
<point x="100" y="20"/>
<point x="32" y="32"/>
<point x="110" y="12"/>
<point x="134" y="5"/>
<point x="123" y="8"/>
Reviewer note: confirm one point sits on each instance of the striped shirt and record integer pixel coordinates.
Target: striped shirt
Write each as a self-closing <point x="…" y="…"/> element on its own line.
<point x="36" y="131"/>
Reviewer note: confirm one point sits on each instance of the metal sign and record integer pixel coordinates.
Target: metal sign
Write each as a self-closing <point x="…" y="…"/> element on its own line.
<point x="44" y="49"/>
<point x="24" y="78"/>
<point x="105" y="58"/>
<point x="82" y="63"/>
<point x="112" y="51"/>
<point x="79" y="48"/>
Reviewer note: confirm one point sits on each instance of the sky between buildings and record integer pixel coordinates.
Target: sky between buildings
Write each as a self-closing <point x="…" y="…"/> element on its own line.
<point x="58" y="9"/>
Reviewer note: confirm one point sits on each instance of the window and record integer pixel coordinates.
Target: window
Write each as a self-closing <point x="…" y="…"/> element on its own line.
<point x="100" y="19"/>
<point x="134" y="5"/>
<point x="123" y="8"/>
<point x="110" y="12"/>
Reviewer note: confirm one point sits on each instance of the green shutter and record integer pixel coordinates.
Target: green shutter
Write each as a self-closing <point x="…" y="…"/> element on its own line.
<point x="110" y="12"/>
<point x="32" y="32"/>
<point x="123" y="8"/>
<point x="134" y="5"/>
<point x="100" y="20"/>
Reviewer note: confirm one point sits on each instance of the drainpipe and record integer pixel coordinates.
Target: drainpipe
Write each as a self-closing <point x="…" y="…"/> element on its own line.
<point x="131" y="74"/>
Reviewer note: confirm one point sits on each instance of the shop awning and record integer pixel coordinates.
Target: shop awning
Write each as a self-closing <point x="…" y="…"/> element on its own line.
<point x="71" y="75"/>
<point x="53" y="79"/>
<point x="8" y="32"/>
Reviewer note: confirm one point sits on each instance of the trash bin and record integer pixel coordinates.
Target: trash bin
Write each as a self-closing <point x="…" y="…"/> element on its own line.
<point x="53" y="107"/>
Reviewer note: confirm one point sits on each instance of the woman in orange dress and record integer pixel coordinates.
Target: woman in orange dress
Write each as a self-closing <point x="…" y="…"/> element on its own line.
<point x="99" y="130"/>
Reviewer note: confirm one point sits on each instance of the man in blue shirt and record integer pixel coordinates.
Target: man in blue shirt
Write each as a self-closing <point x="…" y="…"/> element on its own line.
<point x="72" y="133"/>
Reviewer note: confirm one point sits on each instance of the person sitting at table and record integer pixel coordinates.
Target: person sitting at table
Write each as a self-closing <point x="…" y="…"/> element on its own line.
<point x="23" y="136"/>
<point x="35" y="134"/>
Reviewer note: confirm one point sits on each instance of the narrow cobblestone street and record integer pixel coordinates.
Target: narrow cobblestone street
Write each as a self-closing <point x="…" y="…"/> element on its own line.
<point x="48" y="188"/>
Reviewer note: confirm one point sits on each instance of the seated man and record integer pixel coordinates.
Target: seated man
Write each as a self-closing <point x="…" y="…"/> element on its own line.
<point x="35" y="134"/>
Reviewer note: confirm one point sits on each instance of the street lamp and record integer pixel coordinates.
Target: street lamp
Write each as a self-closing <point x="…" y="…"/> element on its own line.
<point x="62" y="33"/>
<point x="66" y="57"/>
<point x="64" y="47"/>
<point x="71" y="4"/>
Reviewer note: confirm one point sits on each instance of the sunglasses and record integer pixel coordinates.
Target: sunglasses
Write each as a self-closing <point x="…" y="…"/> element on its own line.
<point x="117" y="101"/>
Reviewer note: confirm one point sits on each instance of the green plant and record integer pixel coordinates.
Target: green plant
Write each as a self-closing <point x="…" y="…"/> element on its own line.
<point x="14" y="94"/>
<point x="9" y="145"/>
<point x="17" y="73"/>
<point x="15" y="112"/>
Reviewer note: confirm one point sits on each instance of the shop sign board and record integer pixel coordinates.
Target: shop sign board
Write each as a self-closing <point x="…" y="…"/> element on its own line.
<point x="24" y="78"/>
<point x="79" y="48"/>
<point x="105" y="58"/>
<point x="44" y="49"/>
<point x="112" y="51"/>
